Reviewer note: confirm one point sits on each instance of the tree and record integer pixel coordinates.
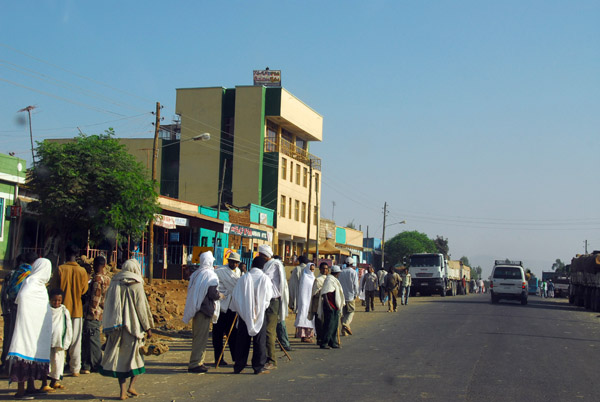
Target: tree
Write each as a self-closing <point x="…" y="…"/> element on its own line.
<point x="442" y="245"/>
<point x="406" y="243"/>
<point x="91" y="184"/>
<point x="477" y="271"/>
<point x="558" y="266"/>
<point x="465" y="261"/>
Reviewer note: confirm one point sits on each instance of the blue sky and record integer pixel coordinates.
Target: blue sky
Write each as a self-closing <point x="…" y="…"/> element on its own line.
<point x="475" y="120"/>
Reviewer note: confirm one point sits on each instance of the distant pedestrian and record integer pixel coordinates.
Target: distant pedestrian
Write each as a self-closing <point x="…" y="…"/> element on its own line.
<point x="381" y="277"/>
<point x="370" y="286"/>
<point x="348" y="278"/>
<point x="550" y="288"/>
<point x="481" y="286"/>
<point x="200" y="307"/>
<point x="463" y="283"/>
<point x="392" y="285"/>
<point x="406" y="284"/>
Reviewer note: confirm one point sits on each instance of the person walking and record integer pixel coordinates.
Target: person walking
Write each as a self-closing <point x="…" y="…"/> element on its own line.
<point x="348" y="278"/>
<point x="91" y="347"/>
<point x="228" y="276"/>
<point x="406" y="284"/>
<point x="370" y="287"/>
<point x="305" y="326"/>
<point x="381" y="277"/>
<point x="125" y="321"/>
<point x="331" y="303"/>
<point x="29" y="353"/>
<point x="250" y="299"/>
<point x="392" y="284"/>
<point x="313" y="312"/>
<point x="73" y="280"/>
<point x="276" y="312"/>
<point x="201" y="305"/>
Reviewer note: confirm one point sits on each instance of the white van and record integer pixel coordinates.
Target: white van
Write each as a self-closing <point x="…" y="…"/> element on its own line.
<point x="508" y="281"/>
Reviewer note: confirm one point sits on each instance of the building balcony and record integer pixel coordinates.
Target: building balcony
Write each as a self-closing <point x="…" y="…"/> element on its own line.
<point x="287" y="148"/>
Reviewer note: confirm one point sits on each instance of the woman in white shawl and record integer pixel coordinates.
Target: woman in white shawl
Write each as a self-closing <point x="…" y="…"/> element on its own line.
<point x="29" y="353"/>
<point x="304" y="326"/>
<point x="127" y="317"/>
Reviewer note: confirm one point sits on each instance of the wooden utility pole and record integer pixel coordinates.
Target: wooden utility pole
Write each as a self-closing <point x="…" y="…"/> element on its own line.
<point x="28" y="109"/>
<point x="309" y="205"/>
<point x="154" y="162"/>
<point x="383" y="236"/>
<point x="219" y="205"/>
<point x="318" y="220"/>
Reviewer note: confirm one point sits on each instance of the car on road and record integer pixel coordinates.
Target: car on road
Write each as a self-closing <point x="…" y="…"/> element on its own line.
<point x="508" y="282"/>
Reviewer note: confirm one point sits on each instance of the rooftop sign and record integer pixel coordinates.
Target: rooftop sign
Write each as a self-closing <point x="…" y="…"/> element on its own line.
<point x="267" y="78"/>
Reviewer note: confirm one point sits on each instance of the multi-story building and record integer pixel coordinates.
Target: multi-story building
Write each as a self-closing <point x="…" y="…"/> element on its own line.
<point x="258" y="154"/>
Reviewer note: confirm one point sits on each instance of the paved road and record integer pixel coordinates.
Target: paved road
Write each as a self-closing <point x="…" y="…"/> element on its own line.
<point x="453" y="349"/>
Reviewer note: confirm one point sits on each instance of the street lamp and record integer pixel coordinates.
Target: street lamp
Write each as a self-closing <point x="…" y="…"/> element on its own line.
<point x="199" y="137"/>
<point x="383" y="241"/>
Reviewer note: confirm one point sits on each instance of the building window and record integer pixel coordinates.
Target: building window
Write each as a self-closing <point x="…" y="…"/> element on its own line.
<point x="297" y="174"/>
<point x="291" y="172"/>
<point x="271" y="140"/>
<point x="283" y="168"/>
<point x="283" y="199"/>
<point x="290" y="208"/>
<point x="305" y="177"/>
<point x="300" y="143"/>
<point x="204" y="241"/>
<point x="297" y="211"/>
<point x="303" y="212"/>
<point x="316" y="215"/>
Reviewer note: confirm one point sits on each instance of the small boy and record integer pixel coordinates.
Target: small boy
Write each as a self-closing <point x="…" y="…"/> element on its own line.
<point x="62" y="334"/>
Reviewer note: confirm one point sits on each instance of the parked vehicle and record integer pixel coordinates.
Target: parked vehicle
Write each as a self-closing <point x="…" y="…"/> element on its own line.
<point x="533" y="285"/>
<point x="508" y="282"/>
<point x="561" y="286"/>
<point x="585" y="281"/>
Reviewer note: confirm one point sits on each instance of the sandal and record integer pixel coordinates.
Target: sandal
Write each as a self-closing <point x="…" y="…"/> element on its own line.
<point x="23" y="397"/>
<point x="58" y="386"/>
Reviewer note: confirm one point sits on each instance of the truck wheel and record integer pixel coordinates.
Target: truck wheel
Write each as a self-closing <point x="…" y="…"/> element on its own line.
<point x="523" y="301"/>
<point x="454" y="289"/>
<point x="443" y="292"/>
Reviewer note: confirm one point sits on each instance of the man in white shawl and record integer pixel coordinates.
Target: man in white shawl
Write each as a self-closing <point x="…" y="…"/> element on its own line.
<point x="201" y="305"/>
<point x="228" y="276"/>
<point x="276" y="312"/>
<point x="330" y="305"/>
<point x="29" y="352"/>
<point x="313" y="311"/>
<point x="250" y="299"/>
<point x="126" y="319"/>
<point x="305" y="326"/>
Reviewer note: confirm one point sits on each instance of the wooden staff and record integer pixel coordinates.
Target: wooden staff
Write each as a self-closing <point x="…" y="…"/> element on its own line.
<point x="226" y="340"/>
<point x="284" y="351"/>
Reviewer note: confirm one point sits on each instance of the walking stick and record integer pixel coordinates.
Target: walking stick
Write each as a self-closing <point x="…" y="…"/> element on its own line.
<point x="338" y="334"/>
<point x="226" y="340"/>
<point x="284" y="351"/>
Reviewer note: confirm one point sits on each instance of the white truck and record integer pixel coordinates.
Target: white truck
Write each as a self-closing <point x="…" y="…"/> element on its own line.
<point x="432" y="274"/>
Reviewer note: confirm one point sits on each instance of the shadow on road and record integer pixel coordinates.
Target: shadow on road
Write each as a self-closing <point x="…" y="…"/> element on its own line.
<point x="541" y="336"/>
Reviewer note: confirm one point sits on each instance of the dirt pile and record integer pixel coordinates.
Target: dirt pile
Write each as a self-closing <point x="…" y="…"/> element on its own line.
<point x="167" y="301"/>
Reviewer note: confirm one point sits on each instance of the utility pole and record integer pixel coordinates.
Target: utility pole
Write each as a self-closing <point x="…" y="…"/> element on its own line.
<point x="586" y="244"/>
<point x="219" y="205"/>
<point x="332" y="210"/>
<point x="318" y="220"/>
<point x="154" y="161"/>
<point x="28" y="109"/>
<point x="383" y="236"/>
<point x="310" y="178"/>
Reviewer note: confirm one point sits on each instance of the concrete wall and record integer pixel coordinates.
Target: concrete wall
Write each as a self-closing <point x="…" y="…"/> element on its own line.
<point x="201" y="111"/>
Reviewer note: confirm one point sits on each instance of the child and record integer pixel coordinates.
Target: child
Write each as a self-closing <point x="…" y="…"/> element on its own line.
<point x="62" y="334"/>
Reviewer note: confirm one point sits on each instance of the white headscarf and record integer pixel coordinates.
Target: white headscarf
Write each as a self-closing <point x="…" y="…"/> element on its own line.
<point x="274" y="268"/>
<point x="304" y="296"/>
<point x="250" y="299"/>
<point x="33" y="327"/>
<point x="265" y="249"/>
<point x="203" y="278"/>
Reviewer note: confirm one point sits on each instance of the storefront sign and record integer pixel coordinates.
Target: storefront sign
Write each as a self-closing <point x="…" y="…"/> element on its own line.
<point x="169" y="222"/>
<point x="243" y="231"/>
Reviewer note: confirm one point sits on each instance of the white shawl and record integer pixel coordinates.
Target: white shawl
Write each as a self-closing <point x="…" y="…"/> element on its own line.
<point x="303" y="299"/>
<point x="33" y="326"/>
<point x="269" y="270"/>
<point x="250" y="299"/>
<point x="126" y="305"/>
<point x="227" y="280"/>
<point x="62" y="328"/>
<point x="332" y="284"/>
<point x="203" y="278"/>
